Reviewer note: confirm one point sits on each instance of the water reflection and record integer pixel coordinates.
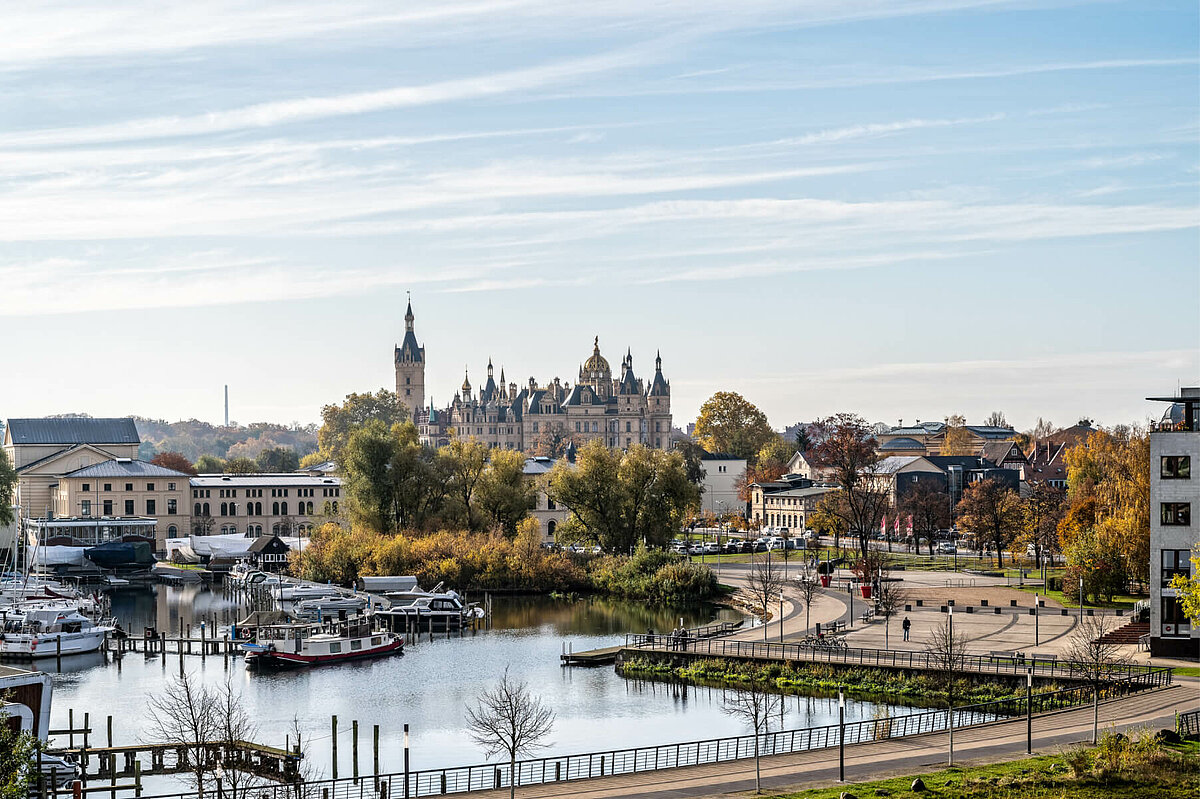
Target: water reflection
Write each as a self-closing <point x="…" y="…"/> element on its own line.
<point x="428" y="687"/>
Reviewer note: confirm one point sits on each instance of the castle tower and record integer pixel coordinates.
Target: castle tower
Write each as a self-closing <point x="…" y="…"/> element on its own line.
<point x="410" y="368"/>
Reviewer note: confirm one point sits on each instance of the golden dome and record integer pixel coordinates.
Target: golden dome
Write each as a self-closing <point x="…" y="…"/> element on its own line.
<point x="597" y="366"/>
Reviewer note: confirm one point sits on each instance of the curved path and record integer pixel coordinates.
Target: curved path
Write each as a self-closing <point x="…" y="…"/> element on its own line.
<point x="973" y="746"/>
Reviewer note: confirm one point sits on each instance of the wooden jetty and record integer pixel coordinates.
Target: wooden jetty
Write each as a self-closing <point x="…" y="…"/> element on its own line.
<point x="107" y="762"/>
<point x="609" y="654"/>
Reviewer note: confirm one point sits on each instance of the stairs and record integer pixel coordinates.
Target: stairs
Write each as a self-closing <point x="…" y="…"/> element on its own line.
<point x="1129" y="634"/>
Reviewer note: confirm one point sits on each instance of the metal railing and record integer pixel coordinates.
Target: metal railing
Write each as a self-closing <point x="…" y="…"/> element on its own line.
<point x="1188" y="723"/>
<point x="613" y="762"/>
<point x="1006" y="664"/>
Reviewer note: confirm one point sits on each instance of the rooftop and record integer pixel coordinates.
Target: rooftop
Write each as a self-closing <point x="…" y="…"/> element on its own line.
<point x="125" y="467"/>
<point x="73" y="430"/>
<point x="267" y="479"/>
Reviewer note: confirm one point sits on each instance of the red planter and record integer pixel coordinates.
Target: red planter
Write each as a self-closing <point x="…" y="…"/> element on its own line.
<point x="866" y="591"/>
<point x="824" y="580"/>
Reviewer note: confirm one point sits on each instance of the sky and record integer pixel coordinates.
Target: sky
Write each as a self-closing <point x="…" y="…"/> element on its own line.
<point x="903" y="209"/>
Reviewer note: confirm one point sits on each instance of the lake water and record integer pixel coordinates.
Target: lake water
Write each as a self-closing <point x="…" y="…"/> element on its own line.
<point x="428" y="687"/>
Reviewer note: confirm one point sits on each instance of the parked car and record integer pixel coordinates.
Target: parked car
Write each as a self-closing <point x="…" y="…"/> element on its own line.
<point x="947" y="548"/>
<point x="712" y="548"/>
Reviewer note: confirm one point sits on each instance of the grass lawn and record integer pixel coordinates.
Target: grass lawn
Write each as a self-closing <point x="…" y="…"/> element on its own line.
<point x="1186" y="671"/>
<point x="1175" y="772"/>
<point x="1119" y="602"/>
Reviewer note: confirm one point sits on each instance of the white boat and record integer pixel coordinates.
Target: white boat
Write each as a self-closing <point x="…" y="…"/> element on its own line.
<point x="50" y="630"/>
<point x="330" y="604"/>
<point x="299" y="592"/>
<point x="316" y="644"/>
<point x="442" y="610"/>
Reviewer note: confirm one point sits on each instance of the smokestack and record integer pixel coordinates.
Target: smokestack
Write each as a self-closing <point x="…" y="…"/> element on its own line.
<point x="227" y="405"/>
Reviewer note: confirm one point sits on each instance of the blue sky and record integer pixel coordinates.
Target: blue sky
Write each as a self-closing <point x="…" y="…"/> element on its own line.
<point x="905" y="209"/>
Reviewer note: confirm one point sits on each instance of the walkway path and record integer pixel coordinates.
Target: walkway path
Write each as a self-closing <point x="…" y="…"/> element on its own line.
<point x="986" y="744"/>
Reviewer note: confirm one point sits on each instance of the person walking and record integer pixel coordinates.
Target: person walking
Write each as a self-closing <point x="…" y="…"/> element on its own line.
<point x="906" y="626"/>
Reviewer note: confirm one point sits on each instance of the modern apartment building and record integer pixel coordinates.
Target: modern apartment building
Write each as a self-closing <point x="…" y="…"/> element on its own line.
<point x="1174" y="526"/>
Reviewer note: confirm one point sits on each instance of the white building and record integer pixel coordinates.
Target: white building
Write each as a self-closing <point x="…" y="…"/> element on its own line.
<point x="1174" y="526"/>
<point x="722" y="476"/>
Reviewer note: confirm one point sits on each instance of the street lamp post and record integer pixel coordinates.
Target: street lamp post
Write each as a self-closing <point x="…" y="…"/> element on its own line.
<point x="950" y="683"/>
<point x="405" y="761"/>
<point x="841" y="735"/>
<point x="1081" y="599"/>
<point x="1029" y="711"/>
<point x="1037" y="605"/>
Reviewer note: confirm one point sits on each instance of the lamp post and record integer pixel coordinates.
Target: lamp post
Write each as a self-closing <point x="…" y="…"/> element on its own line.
<point x="1037" y="605"/>
<point x="405" y="761"/>
<point x="950" y="685"/>
<point x="1081" y="599"/>
<point x="841" y="735"/>
<point x="1029" y="711"/>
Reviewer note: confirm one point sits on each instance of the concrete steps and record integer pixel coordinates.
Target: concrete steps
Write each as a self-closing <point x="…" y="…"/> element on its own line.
<point x="1129" y="634"/>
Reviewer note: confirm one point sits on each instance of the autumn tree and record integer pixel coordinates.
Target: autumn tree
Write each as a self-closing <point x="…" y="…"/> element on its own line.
<point x="465" y="462"/>
<point x="240" y="466"/>
<point x="1040" y="430"/>
<point x="339" y="421"/>
<point x="1108" y="490"/>
<point x="928" y="505"/>
<point x="505" y="495"/>
<point x="993" y="512"/>
<point x="957" y="439"/>
<point x="174" y="460"/>
<point x="828" y="518"/>
<point x="1043" y="510"/>
<point x="729" y="424"/>
<point x="392" y="480"/>
<point x="846" y="449"/>
<point x="1187" y="588"/>
<point x="619" y="499"/>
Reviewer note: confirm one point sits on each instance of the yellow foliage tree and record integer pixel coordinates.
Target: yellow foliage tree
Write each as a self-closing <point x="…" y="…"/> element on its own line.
<point x="957" y="440"/>
<point x="1108" y="479"/>
<point x="1187" y="589"/>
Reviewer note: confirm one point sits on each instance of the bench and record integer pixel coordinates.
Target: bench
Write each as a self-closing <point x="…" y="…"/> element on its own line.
<point x="1016" y="657"/>
<point x="1044" y="657"/>
<point x="867" y="615"/>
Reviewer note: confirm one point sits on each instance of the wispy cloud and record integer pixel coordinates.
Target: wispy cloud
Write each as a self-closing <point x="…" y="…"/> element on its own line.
<point x="280" y="112"/>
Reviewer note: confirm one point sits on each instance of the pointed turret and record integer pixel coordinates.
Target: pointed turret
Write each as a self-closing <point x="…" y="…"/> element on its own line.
<point x="659" y="387"/>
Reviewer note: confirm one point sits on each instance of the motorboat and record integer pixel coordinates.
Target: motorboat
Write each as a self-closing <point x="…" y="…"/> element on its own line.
<point x="39" y="631"/>
<point x="297" y="592"/>
<point x="330" y="604"/>
<point x="442" y="610"/>
<point x="317" y="644"/>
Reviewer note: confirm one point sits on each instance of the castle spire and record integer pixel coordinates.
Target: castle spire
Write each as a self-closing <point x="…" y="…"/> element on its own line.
<point x="408" y="314"/>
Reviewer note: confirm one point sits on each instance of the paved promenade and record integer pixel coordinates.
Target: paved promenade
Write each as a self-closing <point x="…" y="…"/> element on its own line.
<point x="990" y="743"/>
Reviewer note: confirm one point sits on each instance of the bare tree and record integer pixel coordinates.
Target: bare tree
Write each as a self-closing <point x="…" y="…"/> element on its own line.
<point x="509" y="719"/>
<point x="947" y="650"/>
<point x="890" y="596"/>
<point x="233" y="725"/>
<point x="192" y="718"/>
<point x="755" y="705"/>
<point x="186" y="716"/>
<point x="809" y="589"/>
<point x="764" y="587"/>
<point x="1094" y="660"/>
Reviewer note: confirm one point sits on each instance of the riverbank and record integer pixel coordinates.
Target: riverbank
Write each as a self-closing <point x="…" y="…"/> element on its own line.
<point x="1133" y="768"/>
<point x="895" y="685"/>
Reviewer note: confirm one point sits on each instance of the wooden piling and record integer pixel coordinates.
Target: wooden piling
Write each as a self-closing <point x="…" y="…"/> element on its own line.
<point x="354" y="745"/>
<point x="109" y="724"/>
<point x="375" y="770"/>
<point x="335" y="742"/>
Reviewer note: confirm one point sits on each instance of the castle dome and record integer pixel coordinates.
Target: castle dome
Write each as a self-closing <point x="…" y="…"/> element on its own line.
<point x="596" y="367"/>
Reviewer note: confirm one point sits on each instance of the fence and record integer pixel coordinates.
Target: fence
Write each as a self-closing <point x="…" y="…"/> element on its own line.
<point x="611" y="762"/>
<point x="1189" y="723"/>
<point x="1016" y="664"/>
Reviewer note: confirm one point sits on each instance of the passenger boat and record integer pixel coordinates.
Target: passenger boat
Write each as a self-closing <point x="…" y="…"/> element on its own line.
<point x="316" y="644"/>
<point x="48" y="630"/>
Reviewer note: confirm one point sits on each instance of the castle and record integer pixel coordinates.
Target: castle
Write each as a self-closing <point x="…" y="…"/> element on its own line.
<point x="620" y="411"/>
